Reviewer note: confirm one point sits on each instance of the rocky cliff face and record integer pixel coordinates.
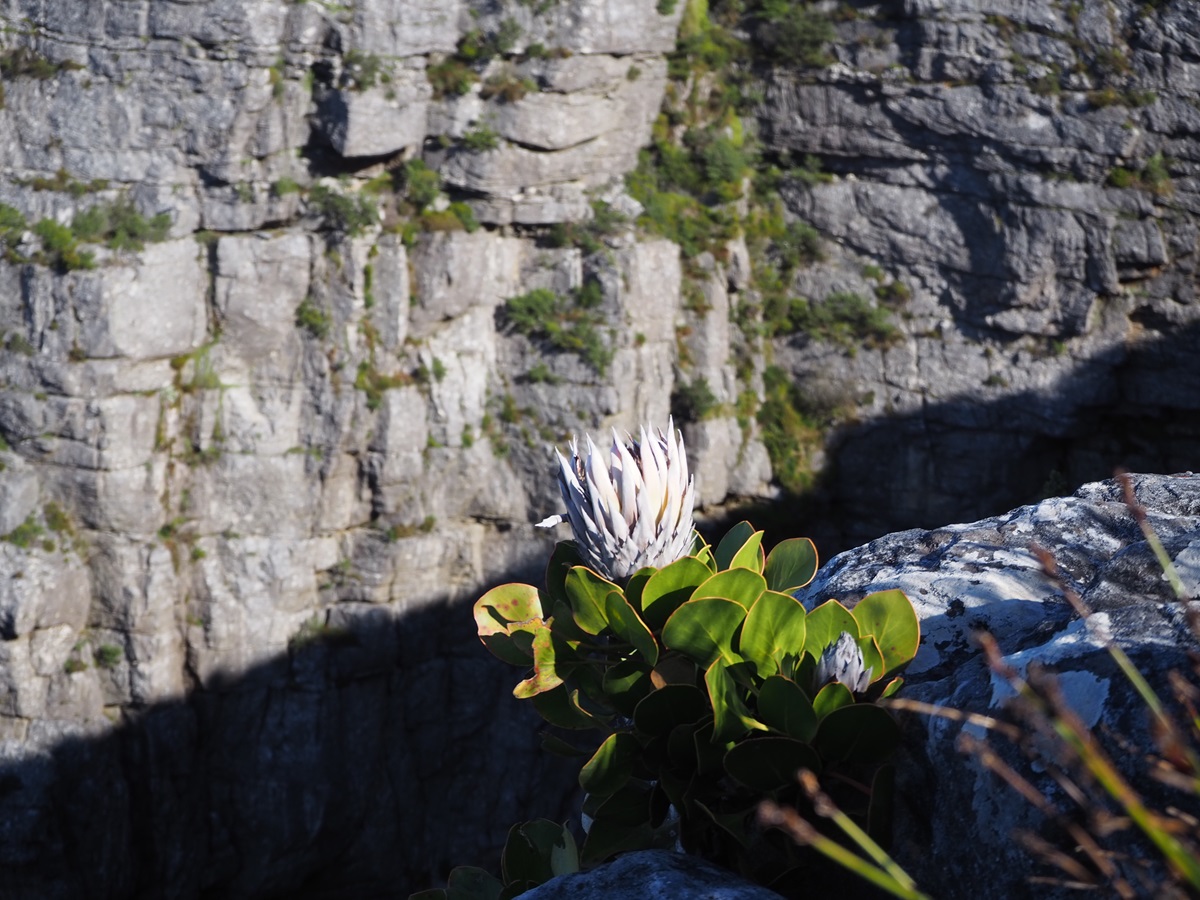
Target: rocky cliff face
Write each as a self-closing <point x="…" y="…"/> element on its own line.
<point x="1028" y="171"/>
<point x="270" y="412"/>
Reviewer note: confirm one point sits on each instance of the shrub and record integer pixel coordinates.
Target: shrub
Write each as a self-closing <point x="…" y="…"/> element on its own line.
<point x="843" y="318"/>
<point x="711" y="686"/>
<point x="284" y="186"/>
<point x="481" y="139"/>
<point x="364" y="70"/>
<point x="450" y="77"/>
<point x="465" y="215"/>
<point x="120" y="225"/>
<point x="59" y="247"/>
<point x="507" y="87"/>
<point x="421" y="183"/>
<point x="108" y="655"/>
<point x="25" y="534"/>
<point x="572" y="325"/>
<point x="373" y="383"/>
<point x="694" y="402"/>
<point x="343" y="212"/>
<point x="313" y="319"/>
<point x="795" y="34"/>
<point x="22" y="62"/>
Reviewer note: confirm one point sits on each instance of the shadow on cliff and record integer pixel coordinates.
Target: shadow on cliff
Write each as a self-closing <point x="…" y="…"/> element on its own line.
<point x="1135" y="406"/>
<point x="363" y="763"/>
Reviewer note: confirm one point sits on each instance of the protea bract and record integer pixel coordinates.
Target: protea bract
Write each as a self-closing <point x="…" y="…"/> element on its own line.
<point x="630" y="507"/>
<point x="843" y="661"/>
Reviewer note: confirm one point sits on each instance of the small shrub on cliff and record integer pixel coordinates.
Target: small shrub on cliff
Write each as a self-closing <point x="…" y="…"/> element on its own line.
<point x="450" y="78"/>
<point x="60" y="248"/>
<point x="120" y="225"/>
<point x="348" y="213"/>
<point x="795" y="33"/>
<point x="22" y="62"/>
<point x="313" y="319"/>
<point x="421" y="183"/>
<point x="571" y="324"/>
<point x="481" y="139"/>
<point x="25" y="534"/>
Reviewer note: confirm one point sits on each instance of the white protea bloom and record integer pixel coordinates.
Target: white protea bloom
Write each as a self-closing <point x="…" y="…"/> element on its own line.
<point x="843" y="661"/>
<point x="631" y="507"/>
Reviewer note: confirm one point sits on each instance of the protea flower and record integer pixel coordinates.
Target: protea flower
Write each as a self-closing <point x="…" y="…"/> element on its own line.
<point x="843" y="661"/>
<point x="631" y="509"/>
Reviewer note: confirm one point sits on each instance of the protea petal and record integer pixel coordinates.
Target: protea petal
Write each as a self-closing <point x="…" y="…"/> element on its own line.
<point x="843" y="661"/>
<point x="630" y="507"/>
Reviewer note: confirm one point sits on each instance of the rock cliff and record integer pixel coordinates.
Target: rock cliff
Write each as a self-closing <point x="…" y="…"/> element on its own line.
<point x="297" y="296"/>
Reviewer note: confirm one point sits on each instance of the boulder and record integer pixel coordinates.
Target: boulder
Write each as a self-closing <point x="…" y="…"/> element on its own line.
<point x="651" y="875"/>
<point x="984" y="576"/>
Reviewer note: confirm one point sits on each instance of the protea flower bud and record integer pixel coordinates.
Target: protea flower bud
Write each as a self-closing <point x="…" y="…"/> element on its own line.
<point x="843" y="661"/>
<point x="631" y="510"/>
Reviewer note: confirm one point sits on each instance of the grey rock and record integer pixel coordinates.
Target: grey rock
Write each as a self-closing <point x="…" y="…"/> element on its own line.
<point x="379" y="120"/>
<point x="984" y="575"/>
<point x="653" y="875"/>
<point x="19" y="492"/>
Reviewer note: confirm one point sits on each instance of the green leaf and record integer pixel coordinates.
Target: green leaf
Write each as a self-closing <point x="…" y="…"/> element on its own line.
<point x="832" y="697"/>
<point x="733" y="824"/>
<point x="880" y="810"/>
<point x="626" y="683"/>
<point x="857" y="733"/>
<point x="735" y="538"/>
<point x="504" y="611"/>
<point x="564" y="557"/>
<point x="538" y="851"/>
<point x="674" y="669"/>
<point x="669" y="588"/>
<point x="560" y="706"/>
<point x="663" y="709"/>
<point x="472" y="883"/>
<point x="774" y="627"/>
<point x="552" y="743"/>
<point x="872" y="658"/>
<point x="750" y="555"/>
<point x="562" y="623"/>
<point x="587" y="592"/>
<point x="791" y="565"/>
<point x="825" y="624"/>
<point x="743" y="586"/>
<point x="636" y="584"/>
<point x="890" y="617"/>
<point x="770" y="763"/>
<point x="702" y="630"/>
<point x="892" y="686"/>
<point x="610" y="766"/>
<point x="620" y="823"/>
<point x="710" y="754"/>
<point x="627" y="625"/>
<point x="544" y="676"/>
<point x="681" y="747"/>
<point x="731" y="718"/>
<point x="704" y="553"/>
<point x="515" y="889"/>
<point x="564" y="856"/>
<point x="783" y="706"/>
